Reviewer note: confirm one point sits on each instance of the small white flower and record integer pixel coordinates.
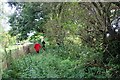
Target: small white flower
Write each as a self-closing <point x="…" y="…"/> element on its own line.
<point x="107" y="34"/>
<point x="114" y="26"/>
<point x="116" y="30"/>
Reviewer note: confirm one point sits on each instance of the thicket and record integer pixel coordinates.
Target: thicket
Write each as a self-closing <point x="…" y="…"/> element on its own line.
<point x="77" y="44"/>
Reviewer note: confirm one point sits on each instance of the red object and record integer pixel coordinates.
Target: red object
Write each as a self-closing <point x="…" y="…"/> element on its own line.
<point x="37" y="47"/>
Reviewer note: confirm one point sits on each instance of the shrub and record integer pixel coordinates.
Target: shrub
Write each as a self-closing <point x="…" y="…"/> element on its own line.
<point x="68" y="61"/>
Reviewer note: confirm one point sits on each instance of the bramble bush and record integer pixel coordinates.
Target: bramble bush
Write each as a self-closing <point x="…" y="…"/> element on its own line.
<point x="68" y="61"/>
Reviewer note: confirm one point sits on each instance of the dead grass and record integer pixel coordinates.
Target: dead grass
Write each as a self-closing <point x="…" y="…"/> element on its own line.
<point x="1" y="56"/>
<point x="16" y="52"/>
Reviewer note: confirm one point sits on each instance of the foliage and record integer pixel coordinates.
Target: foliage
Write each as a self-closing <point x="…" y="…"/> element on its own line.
<point x="36" y="37"/>
<point x="55" y="64"/>
<point x="77" y="36"/>
<point x="6" y="40"/>
<point x="27" y="19"/>
<point x="112" y="51"/>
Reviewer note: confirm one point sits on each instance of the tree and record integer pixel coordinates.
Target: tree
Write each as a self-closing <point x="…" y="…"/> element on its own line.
<point x="104" y="16"/>
<point x="91" y="21"/>
<point x="28" y="17"/>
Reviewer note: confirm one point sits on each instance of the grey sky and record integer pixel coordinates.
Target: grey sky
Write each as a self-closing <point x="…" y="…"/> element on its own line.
<point x="4" y="17"/>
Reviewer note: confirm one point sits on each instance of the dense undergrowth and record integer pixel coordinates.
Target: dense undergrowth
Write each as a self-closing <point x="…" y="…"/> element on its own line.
<point x="68" y="61"/>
